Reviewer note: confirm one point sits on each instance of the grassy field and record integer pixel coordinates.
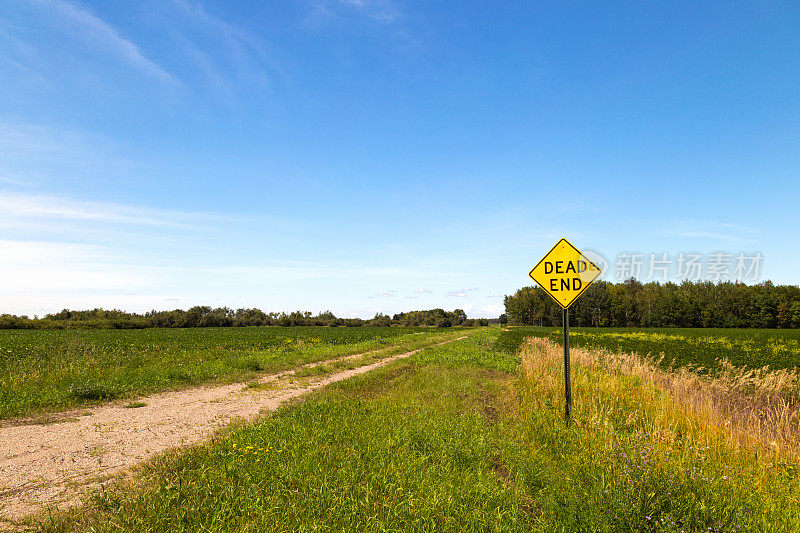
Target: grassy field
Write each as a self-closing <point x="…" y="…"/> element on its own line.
<point x="462" y="437"/>
<point x="41" y="369"/>
<point x="754" y="348"/>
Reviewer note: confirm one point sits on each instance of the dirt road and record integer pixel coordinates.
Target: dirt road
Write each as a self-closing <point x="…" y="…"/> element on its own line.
<point x="54" y="463"/>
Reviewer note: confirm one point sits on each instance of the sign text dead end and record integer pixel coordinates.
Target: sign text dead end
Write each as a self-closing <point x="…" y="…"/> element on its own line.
<point x="564" y="273"/>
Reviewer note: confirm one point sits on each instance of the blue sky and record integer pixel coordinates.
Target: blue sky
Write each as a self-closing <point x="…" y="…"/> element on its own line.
<point x="378" y="155"/>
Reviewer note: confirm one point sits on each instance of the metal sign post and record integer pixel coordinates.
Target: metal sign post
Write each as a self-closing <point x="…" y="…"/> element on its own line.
<point x="567" y="381"/>
<point x="565" y="273"/>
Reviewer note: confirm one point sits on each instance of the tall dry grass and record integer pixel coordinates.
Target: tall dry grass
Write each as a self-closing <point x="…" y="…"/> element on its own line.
<point x="752" y="407"/>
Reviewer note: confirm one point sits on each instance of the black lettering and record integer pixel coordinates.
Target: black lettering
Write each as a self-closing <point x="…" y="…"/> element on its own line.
<point x="564" y="284"/>
<point x="553" y="284"/>
<point x="576" y="284"/>
<point x="559" y="265"/>
<point x="581" y="266"/>
<point x="548" y="267"/>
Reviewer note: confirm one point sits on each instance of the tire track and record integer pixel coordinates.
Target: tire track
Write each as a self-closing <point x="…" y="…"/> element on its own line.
<point x="54" y="464"/>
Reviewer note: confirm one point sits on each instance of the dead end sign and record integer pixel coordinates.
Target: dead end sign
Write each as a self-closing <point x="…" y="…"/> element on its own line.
<point x="564" y="273"/>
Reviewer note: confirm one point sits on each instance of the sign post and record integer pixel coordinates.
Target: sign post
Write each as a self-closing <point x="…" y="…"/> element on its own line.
<point x="564" y="273"/>
<point x="567" y="381"/>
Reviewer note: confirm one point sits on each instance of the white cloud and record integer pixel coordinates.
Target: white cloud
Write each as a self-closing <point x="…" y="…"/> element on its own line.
<point x="456" y="294"/>
<point x="386" y="294"/>
<point x="461" y="293"/>
<point x="17" y="208"/>
<point x="300" y="271"/>
<point x="43" y="276"/>
<point x="379" y="10"/>
<point x="35" y="155"/>
<point x="491" y="311"/>
<point x="58" y="278"/>
<point x="37" y="267"/>
<point x="32" y="253"/>
<point x="383" y="12"/>
<point x="13" y="178"/>
<point x="45" y="142"/>
<point x="705" y="229"/>
<point x="707" y="235"/>
<point x="423" y="291"/>
<point x="85" y="26"/>
<point x="228" y="56"/>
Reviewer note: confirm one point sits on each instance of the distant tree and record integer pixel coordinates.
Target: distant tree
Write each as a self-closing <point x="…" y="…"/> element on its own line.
<point x="531" y="305"/>
<point x="795" y="312"/>
<point x="691" y="304"/>
<point x="381" y="320"/>
<point x="630" y="303"/>
<point x="442" y="322"/>
<point x="457" y="317"/>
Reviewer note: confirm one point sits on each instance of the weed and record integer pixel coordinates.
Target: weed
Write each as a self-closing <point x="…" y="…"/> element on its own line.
<point x="87" y="391"/>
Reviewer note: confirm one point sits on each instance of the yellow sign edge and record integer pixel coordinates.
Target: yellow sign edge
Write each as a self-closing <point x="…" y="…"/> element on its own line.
<point x="530" y="274"/>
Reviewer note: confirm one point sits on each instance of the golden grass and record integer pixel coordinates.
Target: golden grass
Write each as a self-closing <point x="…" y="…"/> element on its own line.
<point x="752" y="407"/>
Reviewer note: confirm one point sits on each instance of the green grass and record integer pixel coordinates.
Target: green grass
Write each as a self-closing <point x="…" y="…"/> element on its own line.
<point x="44" y="369"/>
<point x="634" y="461"/>
<point x="452" y="439"/>
<point x="755" y="348"/>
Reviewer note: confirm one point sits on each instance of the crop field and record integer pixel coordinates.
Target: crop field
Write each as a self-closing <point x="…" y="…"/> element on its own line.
<point x="701" y="349"/>
<point x="467" y="436"/>
<point x="46" y="369"/>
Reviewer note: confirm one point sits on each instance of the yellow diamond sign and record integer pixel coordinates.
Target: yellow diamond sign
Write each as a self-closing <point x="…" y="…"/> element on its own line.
<point x="564" y="273"/>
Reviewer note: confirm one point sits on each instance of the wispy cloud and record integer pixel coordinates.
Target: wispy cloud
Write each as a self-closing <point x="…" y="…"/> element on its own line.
<point x="196" y="11"/>
<point x="383" y="12"/>
<point x="490" y="311"/>
<point x="38" y="143"/>
<point x="36" y="155"/>
<point x="705" y="229"/>
<point x="423" y="291"/>
<point x="296" y="272"/>
<point x="26" y="253"/>
<point x="384" y="294"/>
<point x="42" y="266"/>
<point x="461" y="293"/>
<point x="194" y="51"/>
<point x="82" y="25"/>
<point x="228" y="55"/>
<point x="41" y="275"/>
<point x="707" y="235"/>
<point x="379" y="10"/>
<point x="17" y="207"/>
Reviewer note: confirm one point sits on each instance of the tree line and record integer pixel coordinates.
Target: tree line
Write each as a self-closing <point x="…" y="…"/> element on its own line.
<point x="205" y="316"/>
<point x="701" y="304"/>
